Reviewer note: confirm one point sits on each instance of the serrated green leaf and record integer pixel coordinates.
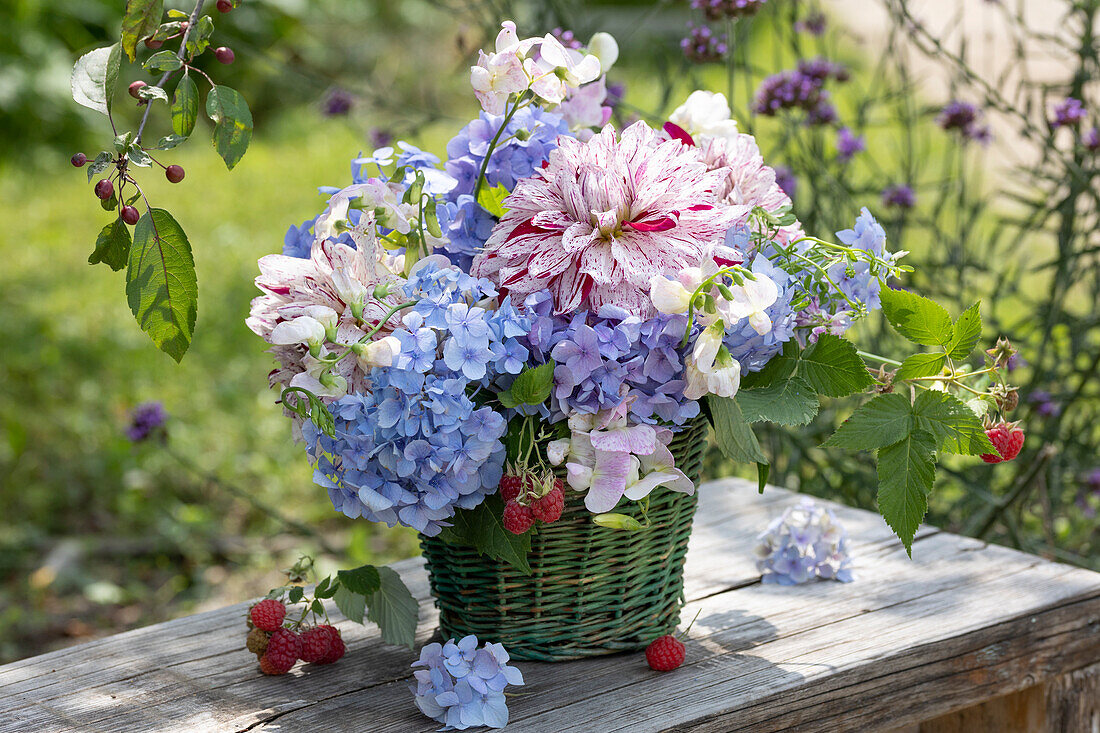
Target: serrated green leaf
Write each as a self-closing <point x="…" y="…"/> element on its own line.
<point x="351" y="604"/>
<point x="163" y="61"/>
<point x="394" y="609"/>
<point x="880" y="422"/>
<point x="363" y="580"/>
<point x="161" y="285"/>
<point x="483" y="529"/>
<point x="533" y="385"/>
<point x="921" y="365"/>
<point x="142" y="18"/>
<point x="317" y="607"/>
<point x="917" y="318"/>
<point x="185" y="106"/>
<point x="491" y="199"/>
<point x="906" y="472"/>
<point x="112" y="246"/>
<point x="966" y="332"/>
<point x="954" y="425"/>
<point x="732" y="432"/>
<point x="779" y="367"/>
<point x="296" y="594"/>
<point x="232" y="123"/>
<point x="94" y="77"/>
<point x="833" y="367"/>
<point x="789" y="402"/>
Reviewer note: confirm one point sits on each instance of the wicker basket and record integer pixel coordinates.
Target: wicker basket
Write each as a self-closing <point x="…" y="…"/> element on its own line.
<point x="591" y="591"/>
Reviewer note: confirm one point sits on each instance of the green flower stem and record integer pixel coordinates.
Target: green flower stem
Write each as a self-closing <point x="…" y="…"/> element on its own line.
<point x="381" y="322"/>
<point x="521" y="101"/>
<point x="881" y="359"/>
<point x="705" y="286"/>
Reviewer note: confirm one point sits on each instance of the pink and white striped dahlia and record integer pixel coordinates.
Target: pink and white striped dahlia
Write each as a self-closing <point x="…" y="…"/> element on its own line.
<point x="747" y="179"/>
<point x="603" y="217"/>
<point x="336" y="280"/>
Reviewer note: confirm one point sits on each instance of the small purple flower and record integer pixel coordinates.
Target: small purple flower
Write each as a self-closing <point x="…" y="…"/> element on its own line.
<point x="801" y="88"/>
<point x="805" y="543"/>
<point x="1068" y="113"/>
<point x="462" y="686"/>
<point x="1093" y="480"/>
<point x="814" y="24"/>
<point x="786" y="180"/>
<point x="847" y="144"/>
<point x="380" y="138"/>
<point x="338" y="103"/>
<point x="718" y="9"/>
<point x="145" y="420"/>
<point x="1091" y="139"/>
<point x="899" y="195"/>
<point x="1045" y="404"/>
<point x="702" y="46"/>
<point x="567" y="39"/>
<point x="964" y="118"/>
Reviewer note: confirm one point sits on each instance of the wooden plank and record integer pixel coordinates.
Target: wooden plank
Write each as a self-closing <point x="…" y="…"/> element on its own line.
<point x="962" y="623"/>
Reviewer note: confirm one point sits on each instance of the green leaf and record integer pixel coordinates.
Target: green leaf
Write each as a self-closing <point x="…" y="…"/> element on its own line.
<point x="317" y="607"/>
<point x="177" y="14"/>
<point x="482" y="528"/>
<point x="491" y="199"/>
<point x="790" y="402"/>
<point x="906" y="471"/>
<point x="732" y="432"/>
<point x="200" y="37"/>
<point x="778" y="368"/>
<point x="880" y="422"/>
<point x="232" y="123"/>
<point x="762" y="472"/>
<point x="112" y="246"/>
<point x="153" y="93"/>
<point x="362" y="580"/>
<point x="102" y="162"/>
<point x="163" y="61"/>
<point x="185" y="106"/>
<point x="138" y="157"/>
<point x="296" y="594"/>
<point x="954" y="425"/>
<point x="533" y="385"/>
<point x="169" y="141"/>
<point x="966" y="332"/>
<point x="917" y="318"/>
<point x="833" y="367"/>
<point x="142" y="18"/>
<point x="161" y="285"/>
<point x="94" y="77"/>
<point x="351" y="604"/>
<point x="921" y="365"/>
<point x="394" y="609"/>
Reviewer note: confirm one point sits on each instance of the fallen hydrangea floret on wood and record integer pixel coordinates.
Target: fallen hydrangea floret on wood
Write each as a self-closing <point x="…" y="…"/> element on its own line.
<point x="806" y="542"/>
<point x="462" y="685"/>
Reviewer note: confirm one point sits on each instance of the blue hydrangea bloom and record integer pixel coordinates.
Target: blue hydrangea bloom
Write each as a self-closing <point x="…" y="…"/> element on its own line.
<point x="299" y="240"/>
<point x="856" y="280"/>
<point x="462" y="685"/>
<point x="754" y="350"/>
<point x="806" y="542"/>
<point x="604" y="358"/>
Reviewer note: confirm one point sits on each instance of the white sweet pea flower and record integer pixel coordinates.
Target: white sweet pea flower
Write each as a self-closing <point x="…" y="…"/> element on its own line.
<point x="669" y="296"/>
<point x="723" y="378"/>
<point x="751" y="301"/>
<point x="319" y="379"/>
<point x="583" y="108"/>
<point x="326" y="225"/>
<point x="705" y="115"/>
<point x="604" y="47"/>
<point x="496" y="77"/>
<point x="380" y="353"/>
<point x="350" y="289"/>
<point x="707" y="345"/>
<point x="574" y="67"/>
<point x="301" y="330"/>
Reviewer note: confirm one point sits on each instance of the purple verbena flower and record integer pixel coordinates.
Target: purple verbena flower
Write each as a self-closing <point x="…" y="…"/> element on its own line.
<point x="899" y="195"/>
<point x="702" y="46"/>
<point x="719" y="9"/>
<point x="145" y="420"/>
<point x="786" y="179"/>
<point x="338" y="103"/>
<point x="567" y="39"/>
<point x="848" y="144"/>
<point x="1091" y="139"/>
<point x="1068" y="113"/>
<point x="814" y="24"/>
<point x="964" y="118"/>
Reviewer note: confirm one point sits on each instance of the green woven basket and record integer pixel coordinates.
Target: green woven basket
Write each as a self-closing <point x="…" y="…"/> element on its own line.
<point x="591" y="591"/>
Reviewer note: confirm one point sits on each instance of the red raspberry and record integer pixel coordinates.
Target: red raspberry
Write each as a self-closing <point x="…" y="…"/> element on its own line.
<point x="549" y="508"/>
<point x="268" y="614"/>
<point x="517" y="518"/>
<point x="283" y="649"/>
<point x="510" y="487"/>
<point x="257" y="641"/>
<point x="665" y="653"/>
<point x="1007" y="439"/>
<point x="317" y="642"/>
<point x="336" y="648"/>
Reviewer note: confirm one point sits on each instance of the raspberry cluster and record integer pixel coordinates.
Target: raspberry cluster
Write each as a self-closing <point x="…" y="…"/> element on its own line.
<point x="528" y="499"/>
<point x="1007" y="438"/>
<point x="279" y="646"/>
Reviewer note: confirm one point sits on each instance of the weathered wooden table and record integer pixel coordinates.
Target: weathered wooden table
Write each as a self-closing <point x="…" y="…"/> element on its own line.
<point x="965" y="637"/>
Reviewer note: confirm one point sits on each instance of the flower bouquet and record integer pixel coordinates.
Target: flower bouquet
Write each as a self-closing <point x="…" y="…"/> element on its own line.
<point x="519" y="351"/>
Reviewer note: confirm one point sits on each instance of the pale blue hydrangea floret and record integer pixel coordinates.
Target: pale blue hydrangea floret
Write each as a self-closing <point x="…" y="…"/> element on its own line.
<point x="859" y="284"/>
<point x="462" y="686"/>
<point x="299" y="240"/>
<point x="521" y="150"/>
<point x="806" y="542"/>
<point x="613" y="355"/>
<point x="751" y="349"/>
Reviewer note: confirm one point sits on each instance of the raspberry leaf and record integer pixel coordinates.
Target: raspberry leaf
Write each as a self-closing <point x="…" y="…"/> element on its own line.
<point x="483" y="529"/>
<point x="954" y="425"/>
<point x="906" y="471"/>
<point x="966" y="332"/>
<point x="789" y="402"/>
<point x="351" y="604"/>
<point x="732" y="431"/>
<point x="922" y="365"/>
<point x="833" y="367"/>
<point x="363" y="580"/>
<point x="883" y="421"/>
<point x="394" y="609"/>
<point x="917" y="318"/>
